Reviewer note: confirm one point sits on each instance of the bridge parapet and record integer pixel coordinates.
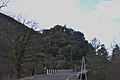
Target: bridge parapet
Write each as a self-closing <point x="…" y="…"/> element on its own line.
<point x="54" y="71"/>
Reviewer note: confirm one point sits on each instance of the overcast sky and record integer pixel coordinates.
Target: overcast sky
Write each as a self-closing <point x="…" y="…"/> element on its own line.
<point x="95" y="18"/>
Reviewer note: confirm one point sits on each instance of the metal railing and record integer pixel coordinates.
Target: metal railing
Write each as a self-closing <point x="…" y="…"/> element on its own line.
<point x="54" y="71"/>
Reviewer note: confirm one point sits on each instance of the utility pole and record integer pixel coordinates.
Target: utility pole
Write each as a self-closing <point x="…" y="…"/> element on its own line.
<point x="83" y="73"/>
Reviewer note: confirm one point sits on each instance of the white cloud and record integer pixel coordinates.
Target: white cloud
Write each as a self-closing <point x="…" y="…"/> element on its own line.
<point x="101" y="21"/>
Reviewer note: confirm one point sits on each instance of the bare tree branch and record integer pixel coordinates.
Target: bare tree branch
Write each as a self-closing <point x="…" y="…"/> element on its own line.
<point x="3" y="3"/>
<point x="6" y="57"/>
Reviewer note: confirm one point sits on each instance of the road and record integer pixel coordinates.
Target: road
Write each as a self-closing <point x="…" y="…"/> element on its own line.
<point x="58" y="76"/>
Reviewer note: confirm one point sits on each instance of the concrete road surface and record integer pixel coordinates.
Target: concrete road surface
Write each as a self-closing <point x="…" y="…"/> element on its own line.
<point x="58" y="76"/>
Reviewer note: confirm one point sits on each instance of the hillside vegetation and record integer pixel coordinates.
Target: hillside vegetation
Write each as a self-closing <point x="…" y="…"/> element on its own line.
<point x="25" y="52"/>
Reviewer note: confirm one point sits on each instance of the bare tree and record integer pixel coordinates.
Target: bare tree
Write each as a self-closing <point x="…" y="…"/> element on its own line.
<point x="3" y="3"/>
<point x="96" y="43"/>
<point x="24" y="20"/>
<point x="113" y="43"/>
